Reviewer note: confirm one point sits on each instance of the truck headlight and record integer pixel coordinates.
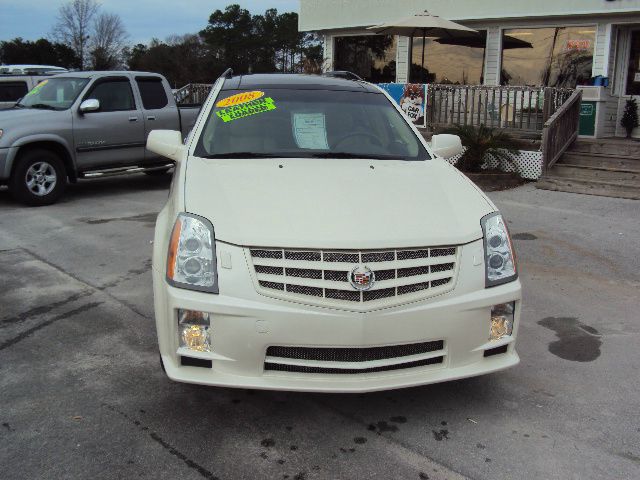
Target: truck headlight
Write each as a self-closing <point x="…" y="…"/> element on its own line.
<point x="499" y="258"/>
<point x="191" y="260"/>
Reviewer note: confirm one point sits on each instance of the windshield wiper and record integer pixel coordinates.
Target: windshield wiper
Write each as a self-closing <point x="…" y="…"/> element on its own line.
<point x="354" y="155"/>
<point x="43" y="106"/>
<point x="243" y="155"/>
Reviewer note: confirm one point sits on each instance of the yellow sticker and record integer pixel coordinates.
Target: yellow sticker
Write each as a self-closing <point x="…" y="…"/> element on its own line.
<point x="239" y="98"/>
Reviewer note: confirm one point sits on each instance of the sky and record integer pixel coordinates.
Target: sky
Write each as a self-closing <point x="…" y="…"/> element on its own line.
<point x="144" y="19"/>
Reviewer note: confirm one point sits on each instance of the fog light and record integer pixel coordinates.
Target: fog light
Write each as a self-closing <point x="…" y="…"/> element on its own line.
<point x="501" y="320"/>
<point x="193" y="330"/>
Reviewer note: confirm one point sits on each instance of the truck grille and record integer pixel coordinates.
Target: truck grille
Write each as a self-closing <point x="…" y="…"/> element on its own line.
<point x="310" y="359"/>
<point x="321" y="277"/>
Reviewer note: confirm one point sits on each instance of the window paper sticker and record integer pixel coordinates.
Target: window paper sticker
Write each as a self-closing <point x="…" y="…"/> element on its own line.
<point x="246" y="109"/>
<point x="239" y="98"/>
<point x="310" y="131"/>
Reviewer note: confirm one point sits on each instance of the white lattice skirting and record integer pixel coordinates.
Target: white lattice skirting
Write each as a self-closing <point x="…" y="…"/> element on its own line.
<point x="527" y="163"/>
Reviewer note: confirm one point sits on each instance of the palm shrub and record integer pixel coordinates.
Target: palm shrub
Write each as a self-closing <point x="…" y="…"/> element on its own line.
<point x="479" y="143"/>
<point x="630" y="116"/>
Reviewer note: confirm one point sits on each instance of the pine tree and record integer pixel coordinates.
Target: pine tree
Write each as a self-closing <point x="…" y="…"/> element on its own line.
<point x="630" y="116"/>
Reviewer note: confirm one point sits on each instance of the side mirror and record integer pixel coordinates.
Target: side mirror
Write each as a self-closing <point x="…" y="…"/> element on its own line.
<point x="90" y="105"/>
<point x="446" y="146"/>
<point x="167" y="143"/>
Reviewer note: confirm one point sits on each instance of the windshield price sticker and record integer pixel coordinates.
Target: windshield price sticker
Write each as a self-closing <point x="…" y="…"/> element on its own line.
<point x="310" y="131"/>
<point x="246" y="109"/>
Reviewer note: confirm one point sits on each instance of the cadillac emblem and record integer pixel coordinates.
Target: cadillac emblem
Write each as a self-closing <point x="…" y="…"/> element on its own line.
<point x="362" y="278"/>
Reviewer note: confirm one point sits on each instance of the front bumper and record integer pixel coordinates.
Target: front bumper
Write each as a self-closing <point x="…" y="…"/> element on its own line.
<point x="245" y="324"/>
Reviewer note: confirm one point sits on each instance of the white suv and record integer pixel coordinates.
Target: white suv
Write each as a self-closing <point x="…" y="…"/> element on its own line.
<point x="314" y="241"/>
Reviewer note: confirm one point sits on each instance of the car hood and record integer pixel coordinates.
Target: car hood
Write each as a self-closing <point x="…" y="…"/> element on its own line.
<point x="18" y="122"/>
<point x="24" y="114"/>
<point x="335" y="204"/>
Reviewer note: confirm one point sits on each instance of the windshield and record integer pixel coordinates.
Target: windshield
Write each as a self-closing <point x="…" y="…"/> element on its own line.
<point x="54" y="93"/>
<point x="307" y="123"/>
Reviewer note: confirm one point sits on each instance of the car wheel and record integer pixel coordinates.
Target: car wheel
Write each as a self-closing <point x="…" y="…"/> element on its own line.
<point x="39" y="178"/>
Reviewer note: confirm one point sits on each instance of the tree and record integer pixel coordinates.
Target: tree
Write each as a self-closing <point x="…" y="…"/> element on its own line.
<point x="182" y="59"/>
<point x="261" y="43"/>
<point x="230" y="37"/>
<point x="107" y="42"/>
<point x="73" y="26"/>
<point x="39" y="52"/>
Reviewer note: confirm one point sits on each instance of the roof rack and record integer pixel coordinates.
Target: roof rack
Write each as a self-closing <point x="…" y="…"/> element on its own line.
<point x="228" y="73"/>
<point x="343" y="74"/>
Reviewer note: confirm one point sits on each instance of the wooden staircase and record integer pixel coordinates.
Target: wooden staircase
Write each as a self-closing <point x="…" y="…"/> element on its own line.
<point x="607" y="167"/>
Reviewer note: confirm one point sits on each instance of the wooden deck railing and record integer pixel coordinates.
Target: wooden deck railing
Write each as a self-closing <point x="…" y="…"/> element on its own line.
<point x="560" y="130"/>
<point x="524" y="109"/>
<point x="192" y="94"/>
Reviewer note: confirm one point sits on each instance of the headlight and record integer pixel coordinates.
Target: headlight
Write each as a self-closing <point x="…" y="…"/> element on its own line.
<point x="191" y="260"/>
<point x="499" y="258"/>
<point x="1" y="132"/>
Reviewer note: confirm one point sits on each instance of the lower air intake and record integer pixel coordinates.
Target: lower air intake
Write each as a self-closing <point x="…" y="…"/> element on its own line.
<point x="350" y="371"/>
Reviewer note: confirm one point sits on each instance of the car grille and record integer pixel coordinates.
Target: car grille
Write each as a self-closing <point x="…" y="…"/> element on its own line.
<point x="393" y="357"/>
<point x="321" y="277"/>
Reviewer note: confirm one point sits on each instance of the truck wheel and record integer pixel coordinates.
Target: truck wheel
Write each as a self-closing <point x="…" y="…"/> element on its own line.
<point x="39" y="178"/>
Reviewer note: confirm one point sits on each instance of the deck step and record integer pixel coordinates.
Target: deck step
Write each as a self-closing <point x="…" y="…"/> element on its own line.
<point x="590" y="187"/>
<point x="588" y="172"/>
<point x="598" y="160"/>
<point x="608" y="146"/>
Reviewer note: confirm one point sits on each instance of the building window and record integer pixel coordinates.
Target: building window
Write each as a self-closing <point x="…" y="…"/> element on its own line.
<point x="372" y="57"/>
<point x="448" y="63"/>
<point x="633" y="76"/>
<point x="557" y="57"/>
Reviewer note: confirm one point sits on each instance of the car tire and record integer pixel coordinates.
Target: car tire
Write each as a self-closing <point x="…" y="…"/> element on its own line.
<point x="39" y="178"/>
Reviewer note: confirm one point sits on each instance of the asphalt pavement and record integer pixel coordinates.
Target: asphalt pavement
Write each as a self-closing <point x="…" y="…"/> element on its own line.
<point x="82" y="394"/>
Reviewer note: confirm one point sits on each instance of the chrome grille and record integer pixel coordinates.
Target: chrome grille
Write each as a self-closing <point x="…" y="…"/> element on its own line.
<point x="321" y="277"/>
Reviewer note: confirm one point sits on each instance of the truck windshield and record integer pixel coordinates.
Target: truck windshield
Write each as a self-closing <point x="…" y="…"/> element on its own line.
<point x="308" y="124"/>
<point x="54" y="93"/>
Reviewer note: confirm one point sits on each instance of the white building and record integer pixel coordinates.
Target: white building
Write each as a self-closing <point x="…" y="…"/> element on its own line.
<point x="555" y="43"/>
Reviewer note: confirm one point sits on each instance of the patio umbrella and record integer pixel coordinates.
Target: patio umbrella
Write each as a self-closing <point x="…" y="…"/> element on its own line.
<point x="479" y="40"/>
<point x="423" y="25"/>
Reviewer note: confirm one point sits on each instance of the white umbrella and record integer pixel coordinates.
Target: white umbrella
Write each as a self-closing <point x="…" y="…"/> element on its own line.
<point x="423" y="25"/>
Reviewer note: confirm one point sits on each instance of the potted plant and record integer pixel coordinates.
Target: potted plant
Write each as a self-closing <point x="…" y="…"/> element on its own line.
<point x="630" y="116"/>
<point x="480" y="144"/>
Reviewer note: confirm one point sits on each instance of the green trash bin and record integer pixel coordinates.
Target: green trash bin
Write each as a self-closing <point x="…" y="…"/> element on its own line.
<point x="587" y="124"/>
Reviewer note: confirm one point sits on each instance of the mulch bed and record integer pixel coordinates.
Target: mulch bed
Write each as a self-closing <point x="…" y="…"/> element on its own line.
<point x="495" y="180"/>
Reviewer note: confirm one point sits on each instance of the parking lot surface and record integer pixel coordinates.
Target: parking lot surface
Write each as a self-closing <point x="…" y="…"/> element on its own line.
<point x="82" y="394"/>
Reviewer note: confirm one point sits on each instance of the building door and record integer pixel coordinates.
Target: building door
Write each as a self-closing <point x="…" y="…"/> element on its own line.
<point x="630" y="79"/>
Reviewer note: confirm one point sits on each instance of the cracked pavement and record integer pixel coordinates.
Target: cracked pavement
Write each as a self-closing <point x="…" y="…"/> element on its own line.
<point x="82" y="394"/>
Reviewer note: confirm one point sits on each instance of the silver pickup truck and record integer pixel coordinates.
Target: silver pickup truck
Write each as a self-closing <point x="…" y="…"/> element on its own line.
<point x="85" y="125"/>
